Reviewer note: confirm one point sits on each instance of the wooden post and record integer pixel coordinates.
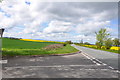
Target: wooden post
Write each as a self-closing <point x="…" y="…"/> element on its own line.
<point x="1" y="32"/>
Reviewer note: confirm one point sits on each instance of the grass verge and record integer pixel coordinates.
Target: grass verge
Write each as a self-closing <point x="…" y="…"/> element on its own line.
<point x="14" y="52"/>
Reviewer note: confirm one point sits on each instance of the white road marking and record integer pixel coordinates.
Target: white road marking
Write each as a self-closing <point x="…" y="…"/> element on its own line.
<point x="101" y="70"/>
<point x="60" y="68"/>
<point x="94" y="69"/>
<point x="90" y="59"/>
<point x="50" y="66"/>
<point x="110" y="67"/>
<point x="117" y="71"/>
<point x="99" y="62"/>
<point x="3" y="61"/>
<point x="96" y="59"/>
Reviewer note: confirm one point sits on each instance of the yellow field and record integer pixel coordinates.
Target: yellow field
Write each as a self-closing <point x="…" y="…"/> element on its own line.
<point x="115" y="48"/>
<point x="112" y="48"/>
<point x="39" y="40"/>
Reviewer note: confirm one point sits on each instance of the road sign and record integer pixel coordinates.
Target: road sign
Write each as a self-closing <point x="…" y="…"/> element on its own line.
<point x="1" y="32"/>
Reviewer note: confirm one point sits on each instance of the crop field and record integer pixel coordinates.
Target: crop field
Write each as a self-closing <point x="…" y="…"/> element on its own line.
<point x="40" y="41"/>
<point x="113" y="49"/>
<point x="19" y="47"/>
<point x="19" y="44"/>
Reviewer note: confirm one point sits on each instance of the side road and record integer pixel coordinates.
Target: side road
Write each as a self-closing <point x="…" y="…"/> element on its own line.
<point x="111" y="59"/>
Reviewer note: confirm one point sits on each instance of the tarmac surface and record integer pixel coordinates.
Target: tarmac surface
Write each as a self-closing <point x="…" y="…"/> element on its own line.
<point x="109" y="58"/>
<point x="79" y="65"/>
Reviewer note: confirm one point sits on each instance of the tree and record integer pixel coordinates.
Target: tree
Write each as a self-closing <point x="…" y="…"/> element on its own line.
<point x="116" y="42"/>
<point x="101" y="36"/>
<point x="68" y="42"/>
<point x="1" y="0"/>
<point x="98" y="45"/>
<point x="108" y="43"/>
<point x="87" y="43"/>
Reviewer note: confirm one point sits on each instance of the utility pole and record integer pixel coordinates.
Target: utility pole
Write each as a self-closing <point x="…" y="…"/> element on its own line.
<point x="1" y="32"/>
<point x="81" y="41"/>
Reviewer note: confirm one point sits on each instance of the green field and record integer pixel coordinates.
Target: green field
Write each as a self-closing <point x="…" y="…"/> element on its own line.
<point x="19" y="44"/>
<point x="17" y="47"/>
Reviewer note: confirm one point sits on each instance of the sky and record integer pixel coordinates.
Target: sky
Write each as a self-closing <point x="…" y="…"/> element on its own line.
<point x="58" y="21"/>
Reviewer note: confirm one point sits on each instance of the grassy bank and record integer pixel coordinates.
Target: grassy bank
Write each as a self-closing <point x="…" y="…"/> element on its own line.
<point x="12" y="52"/>
<point x="17" y="47"/>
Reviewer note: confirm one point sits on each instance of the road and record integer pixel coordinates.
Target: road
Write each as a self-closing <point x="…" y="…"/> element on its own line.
<point x="69" y="66"/>
<point x="109" y="58"/>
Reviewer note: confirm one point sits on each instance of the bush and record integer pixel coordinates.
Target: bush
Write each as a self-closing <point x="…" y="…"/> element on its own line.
<point x="108" y="43"/>
<point x="103" y="47"/>
<point x="87" y="43"/>
<point x="68" y="42"/>
<point x="116" y="42"/>
<point x="64" y="44"/>
<point x="98" y="45"/>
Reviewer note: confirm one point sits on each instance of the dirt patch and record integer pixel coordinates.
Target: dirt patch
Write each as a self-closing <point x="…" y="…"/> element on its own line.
<point x="53" y="46"/>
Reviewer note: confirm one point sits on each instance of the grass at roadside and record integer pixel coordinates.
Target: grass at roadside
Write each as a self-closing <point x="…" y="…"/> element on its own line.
<point x="14" y="52"/>
<point x="114" y="51"/>
<point x="13" y="47"/>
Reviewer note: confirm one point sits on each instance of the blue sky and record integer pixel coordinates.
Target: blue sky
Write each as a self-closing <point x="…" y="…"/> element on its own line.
<point x="58" y="21"/>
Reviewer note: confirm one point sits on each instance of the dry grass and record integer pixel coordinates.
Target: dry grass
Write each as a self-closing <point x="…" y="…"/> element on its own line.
<point x="53" y="46"/>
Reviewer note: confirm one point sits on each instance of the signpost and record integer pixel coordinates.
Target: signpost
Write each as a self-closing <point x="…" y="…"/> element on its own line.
<point x="1" y="32"/>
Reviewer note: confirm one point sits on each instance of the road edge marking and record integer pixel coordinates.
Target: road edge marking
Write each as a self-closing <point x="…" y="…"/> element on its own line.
<point x="3" y="61"/>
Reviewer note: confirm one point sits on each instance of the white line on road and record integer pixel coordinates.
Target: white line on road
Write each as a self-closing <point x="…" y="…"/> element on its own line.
<point x="96" y="59"/>
<point x="110" y="67"/>
<point x="99" y="61"/>
<point x="3" y="61"/>
<point x="50" y="66"/>
<point x="94" y="69"/>
<point x="60" y="67"/>
<point x="90" y="59"/>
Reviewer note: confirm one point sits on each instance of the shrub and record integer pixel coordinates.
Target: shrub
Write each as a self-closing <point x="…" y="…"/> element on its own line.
<point x="68" y="42"/>
<point x="98" y="45"/>
<point x="108" y="43"/>
<point x="87" y="43"/>
<point x="103" y="47"/>
<point x="116" y="42"/>
<point x="64" y="44"/>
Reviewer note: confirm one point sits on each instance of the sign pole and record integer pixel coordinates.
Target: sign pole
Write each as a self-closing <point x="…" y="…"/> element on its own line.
<point x="1" y="32"/>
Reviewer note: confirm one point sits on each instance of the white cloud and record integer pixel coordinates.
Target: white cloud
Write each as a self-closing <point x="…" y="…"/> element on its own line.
<point x="63" y="18"/>
<point x="58" y="27"/>
<point x="90" y="27"/>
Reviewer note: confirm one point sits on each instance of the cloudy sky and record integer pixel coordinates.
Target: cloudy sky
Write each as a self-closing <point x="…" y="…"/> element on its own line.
<point x="58" y="21"/>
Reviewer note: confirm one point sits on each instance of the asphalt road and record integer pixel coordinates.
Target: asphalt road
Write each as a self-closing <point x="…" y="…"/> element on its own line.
<point x="69" y="66"/>
<point x="109" y="58"/>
